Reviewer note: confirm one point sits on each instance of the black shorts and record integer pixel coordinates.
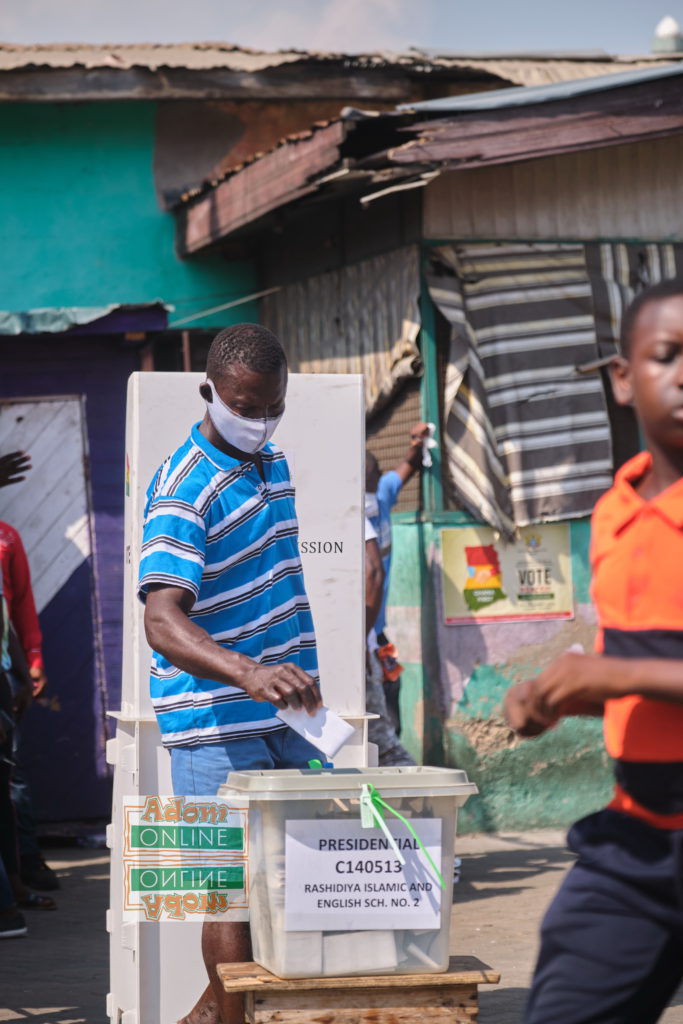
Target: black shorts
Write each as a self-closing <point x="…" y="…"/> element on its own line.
<point x="612" y="939"/>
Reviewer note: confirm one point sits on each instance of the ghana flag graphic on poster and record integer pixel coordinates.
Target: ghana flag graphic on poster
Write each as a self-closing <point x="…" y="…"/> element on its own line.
<point x="485" y="579"/>
<point x="484" y="584"/>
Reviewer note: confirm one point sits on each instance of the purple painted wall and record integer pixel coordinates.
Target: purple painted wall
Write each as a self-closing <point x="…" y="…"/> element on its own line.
<point x="65" y="750"/>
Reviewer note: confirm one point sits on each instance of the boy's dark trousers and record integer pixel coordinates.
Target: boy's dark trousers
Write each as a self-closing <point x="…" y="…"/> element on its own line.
<point x="612" y="940"/>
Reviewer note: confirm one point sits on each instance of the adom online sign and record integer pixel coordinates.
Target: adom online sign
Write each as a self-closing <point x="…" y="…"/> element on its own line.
<point x="184" y="859"/>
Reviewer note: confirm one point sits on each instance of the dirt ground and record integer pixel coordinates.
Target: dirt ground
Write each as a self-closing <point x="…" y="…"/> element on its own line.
<point x="58" y="973"/>
<point x="507" y="883"/>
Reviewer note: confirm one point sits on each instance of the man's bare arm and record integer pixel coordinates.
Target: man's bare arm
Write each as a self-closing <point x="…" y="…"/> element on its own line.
<point x="374" y="583"/>
<point x="186" y="645"/>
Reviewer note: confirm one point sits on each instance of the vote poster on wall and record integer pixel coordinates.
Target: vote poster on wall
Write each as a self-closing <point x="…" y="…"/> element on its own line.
<point x="486" y="579"/>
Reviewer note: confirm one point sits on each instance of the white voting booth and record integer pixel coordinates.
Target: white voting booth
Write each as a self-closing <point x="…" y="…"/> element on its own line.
<point x="156" y="967"/>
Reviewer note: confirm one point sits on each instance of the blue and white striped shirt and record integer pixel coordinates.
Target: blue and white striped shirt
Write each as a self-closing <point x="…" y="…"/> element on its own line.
<point x="213" y="527"/>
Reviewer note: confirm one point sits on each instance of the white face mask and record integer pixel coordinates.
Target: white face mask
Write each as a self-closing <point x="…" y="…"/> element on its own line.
<point x="242" y="433"/>
<point x="371" y="504"/>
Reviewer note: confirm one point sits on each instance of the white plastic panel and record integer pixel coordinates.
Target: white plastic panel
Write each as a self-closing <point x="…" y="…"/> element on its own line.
<point x="156" y="969"/>
<point x="322" y="434"/>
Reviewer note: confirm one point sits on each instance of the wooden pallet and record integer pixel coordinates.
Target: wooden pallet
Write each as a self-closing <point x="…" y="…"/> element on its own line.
<point x="448" y="998"/>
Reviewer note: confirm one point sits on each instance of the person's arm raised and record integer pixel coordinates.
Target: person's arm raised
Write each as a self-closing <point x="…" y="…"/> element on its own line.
<point x="412" y="460"/>
<point x="186" y="645"/>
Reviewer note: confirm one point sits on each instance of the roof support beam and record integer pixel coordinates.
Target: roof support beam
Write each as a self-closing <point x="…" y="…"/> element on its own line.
<point x="294" y="81"/>
<point x="279" y="177"/>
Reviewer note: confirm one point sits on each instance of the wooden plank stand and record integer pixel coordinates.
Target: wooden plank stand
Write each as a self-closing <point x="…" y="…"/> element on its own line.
<point x="448" y="998"/>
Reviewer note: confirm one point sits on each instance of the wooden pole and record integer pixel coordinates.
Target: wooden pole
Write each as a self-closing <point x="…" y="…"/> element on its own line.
<point x="187" y="352"/>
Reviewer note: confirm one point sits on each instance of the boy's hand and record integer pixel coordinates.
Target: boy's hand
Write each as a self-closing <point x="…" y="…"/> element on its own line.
<point x="519" y="711"/>
<point x="573" y="681"/>
<point x="573" y="684"/>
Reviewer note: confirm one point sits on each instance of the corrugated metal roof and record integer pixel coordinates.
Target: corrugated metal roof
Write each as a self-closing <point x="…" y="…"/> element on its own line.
<point x="527" y="70"/>
<point x="197" y="56"/>
<point x="472" y="132"/>
<point x="523" y="97"/>
<point x="546" y="72"/>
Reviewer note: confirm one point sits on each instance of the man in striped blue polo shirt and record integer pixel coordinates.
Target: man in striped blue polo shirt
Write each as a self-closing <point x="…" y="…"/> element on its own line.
<point x="226" y="611"/>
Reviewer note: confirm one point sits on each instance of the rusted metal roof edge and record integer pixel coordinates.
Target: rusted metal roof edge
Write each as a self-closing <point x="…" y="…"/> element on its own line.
<point x="293" y="139"/>
<point x="207" y="55"/>
<point x="646" y="106"/>
<point x="527" y="95"/>
<point x="526" y="69"/>
<point x="278" y="177"/>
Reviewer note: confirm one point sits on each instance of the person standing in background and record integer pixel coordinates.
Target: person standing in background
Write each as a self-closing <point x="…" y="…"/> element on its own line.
<point x="35" y="872"/>
<point x="381" y="494"/>
<point x="226" y="611"/>
<point x="380" y="730"/>
<point x="12" y="921"/>
<point x="374" y="577"/>
<point x="16" y="577"/>
<point x="15" y="699"/>
<point x="21" y="608"/>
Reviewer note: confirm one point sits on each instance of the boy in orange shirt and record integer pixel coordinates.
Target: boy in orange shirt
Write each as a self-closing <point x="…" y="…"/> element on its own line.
<point x="612" y="940"/>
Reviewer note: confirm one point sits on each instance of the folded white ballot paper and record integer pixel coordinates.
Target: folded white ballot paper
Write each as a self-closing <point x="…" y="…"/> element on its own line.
<point x="325" y="729"/>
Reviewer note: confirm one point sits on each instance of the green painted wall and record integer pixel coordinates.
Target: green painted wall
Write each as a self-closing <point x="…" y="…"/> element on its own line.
<point x="412" y="617"/>
<point x="405" y="592"/>
<point x="79" y="220"/>
<point x="548" y="781"/>
<point x="545" y="782"/>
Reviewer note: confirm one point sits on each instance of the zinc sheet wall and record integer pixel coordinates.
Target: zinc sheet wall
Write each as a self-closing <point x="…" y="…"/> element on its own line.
<point x="363" y="318"/>
<point x="630" y="191"/>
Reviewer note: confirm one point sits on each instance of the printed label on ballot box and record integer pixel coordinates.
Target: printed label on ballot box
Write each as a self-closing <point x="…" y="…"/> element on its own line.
<point x="341" y="876"/>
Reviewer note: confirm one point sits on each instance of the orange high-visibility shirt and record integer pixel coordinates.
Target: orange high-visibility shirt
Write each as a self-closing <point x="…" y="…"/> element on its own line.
<point x="637" y="562"/>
